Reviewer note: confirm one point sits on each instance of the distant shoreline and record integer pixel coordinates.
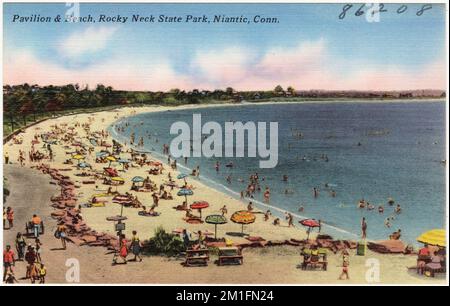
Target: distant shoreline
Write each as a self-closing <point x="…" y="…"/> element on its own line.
<point x="343" y="100"/>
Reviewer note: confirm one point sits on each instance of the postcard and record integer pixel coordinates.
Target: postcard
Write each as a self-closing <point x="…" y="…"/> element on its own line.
<point x="225" y="143"/>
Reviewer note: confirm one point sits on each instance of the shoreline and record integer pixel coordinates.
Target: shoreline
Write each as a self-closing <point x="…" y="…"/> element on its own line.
<point x="129" y="111"/>
<point x="95" y="218"/>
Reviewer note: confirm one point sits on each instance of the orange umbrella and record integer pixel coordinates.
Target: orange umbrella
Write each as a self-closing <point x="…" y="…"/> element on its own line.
<point x="243" y="217"/>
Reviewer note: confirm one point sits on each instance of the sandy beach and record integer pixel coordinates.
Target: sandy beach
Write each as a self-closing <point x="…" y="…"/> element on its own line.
<point x="261" y="265"/>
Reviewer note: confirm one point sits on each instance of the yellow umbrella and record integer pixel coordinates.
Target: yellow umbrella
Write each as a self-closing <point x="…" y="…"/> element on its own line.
<point x="117" y="179"/>
<point x="77" y="156"/>
<point x="433" y="237"/>
<point x="111" y="159"/>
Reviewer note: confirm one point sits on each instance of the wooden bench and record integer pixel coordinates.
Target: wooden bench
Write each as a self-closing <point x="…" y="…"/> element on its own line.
<point x="198" y="257"/>
<point x="315" y="264"/>
<point x="230" y="254"/>
<point x="314" y="261"/>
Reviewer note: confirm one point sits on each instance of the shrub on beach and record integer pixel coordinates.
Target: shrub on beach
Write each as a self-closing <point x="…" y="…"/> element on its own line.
<point x="163" y="243"/>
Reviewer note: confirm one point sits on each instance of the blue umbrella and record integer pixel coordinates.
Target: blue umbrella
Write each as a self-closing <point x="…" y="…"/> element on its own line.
<point x="137" y="179"/>
<point x="123" y="161"/>
<point x="83" y="165"/>
<point x="182" y="176"/>
<point x="185" y="193"/>
<point x="93" y="142"/>
<point x="101" y="154"/>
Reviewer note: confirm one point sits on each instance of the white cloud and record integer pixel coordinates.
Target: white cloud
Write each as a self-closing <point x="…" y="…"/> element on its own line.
<point x="305" y="66"/>
<point x="92" y="39"/>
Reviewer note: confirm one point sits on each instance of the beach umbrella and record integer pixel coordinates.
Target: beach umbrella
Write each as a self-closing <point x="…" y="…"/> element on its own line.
<point x="101" y="154"/>
<point x="78" y="156"/>
<point x="137" y="179"/>
<point x="185" y="192"/>
<point x="433" y="237"/>
<point x="182" y="176"/>
<point x="215" y="219"/>
<point x="243" y="217"/>
<point x="111" y="159"/>
<point x="310" y="224"/>
<point x="83" y="165"/>
<point x="200" y="205"/>
<point x="155" y="163"/>
<point x="117" y="179"/>
<point x="93" y="141"/>
<point x="123" y="161"/>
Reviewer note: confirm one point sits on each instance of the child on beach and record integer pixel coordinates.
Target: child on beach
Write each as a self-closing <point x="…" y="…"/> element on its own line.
<point x="42" y="274"/>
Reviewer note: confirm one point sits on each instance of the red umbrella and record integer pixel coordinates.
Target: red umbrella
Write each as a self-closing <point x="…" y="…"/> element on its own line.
<point x="200" y="205"/>
<point x="310" y="223"/>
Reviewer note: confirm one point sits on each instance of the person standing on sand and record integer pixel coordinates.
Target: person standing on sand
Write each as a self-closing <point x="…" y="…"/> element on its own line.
<point x="8" y="261"/>
<point x="224" y="210"/>
<point x="123" y="250"/>
<point x="4" y="217"/>
<point x="36" y="222"/>
<point x="363" y="228"/>
<point x="20" y="246"/>
<point x="37" y="247"/>
<point x="345" y="264"/>
<point x="30" y="258"/>
<point x="6" y="157"/>
<point x="136" y="246"/>
<point x="10" y="217"/>
<point x="61" y="234"/>
<point x="290" y="220"/>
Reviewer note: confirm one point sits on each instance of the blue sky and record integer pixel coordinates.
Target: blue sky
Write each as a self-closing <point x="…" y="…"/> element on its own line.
<point x="309" y="48"/>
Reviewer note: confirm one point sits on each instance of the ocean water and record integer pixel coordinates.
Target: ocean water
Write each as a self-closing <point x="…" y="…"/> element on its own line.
<point x="374" y="150"/>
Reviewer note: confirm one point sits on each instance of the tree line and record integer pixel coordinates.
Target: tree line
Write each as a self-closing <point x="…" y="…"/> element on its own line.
<point x="26" y="102"/>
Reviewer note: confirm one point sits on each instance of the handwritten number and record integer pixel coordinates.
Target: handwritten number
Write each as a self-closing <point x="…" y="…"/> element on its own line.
<point x="381" y="9"/>
<point x="402" y="9"/>
<point x="424" y="8"/>
<point x="360" y="11"/>
<point x="344" y="10"/>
